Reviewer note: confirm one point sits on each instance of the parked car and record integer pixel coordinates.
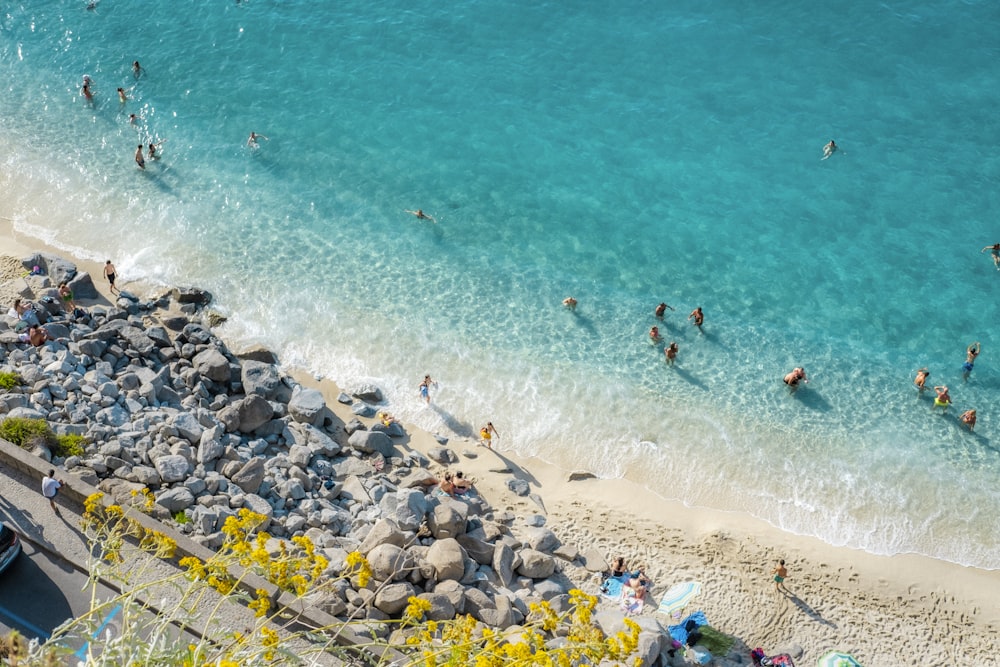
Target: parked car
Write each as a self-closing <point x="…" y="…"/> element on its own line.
<point x="10" y="546"/>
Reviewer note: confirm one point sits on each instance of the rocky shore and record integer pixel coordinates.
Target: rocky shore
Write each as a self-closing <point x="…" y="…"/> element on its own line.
<point x="164" y="404"/>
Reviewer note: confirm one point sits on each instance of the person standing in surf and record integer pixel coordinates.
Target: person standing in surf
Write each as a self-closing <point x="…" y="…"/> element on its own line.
<point x="921" y="380"/>
<point x="139" y="160"/>
<point x="970" y="360"/>
<point x="995" y="252"/>
<point x="109" y="273"/>
<point x="661" y="310"/>
<point x="425" y="389"/>
<point x="670" y="353"/>
<point x="943" y="399"/>
<point x="698" y="317"/>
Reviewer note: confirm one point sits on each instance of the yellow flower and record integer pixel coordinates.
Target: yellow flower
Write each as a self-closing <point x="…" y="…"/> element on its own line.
<point x="415" y="609"/>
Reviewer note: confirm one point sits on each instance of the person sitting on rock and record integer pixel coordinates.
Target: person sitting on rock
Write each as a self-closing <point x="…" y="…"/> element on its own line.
<point x="66" y="294"/>
<point x="447" y="486"/>
<point x="462" y="485"/>
<point x="386" y="419"/>
<point x="36" y="335"/>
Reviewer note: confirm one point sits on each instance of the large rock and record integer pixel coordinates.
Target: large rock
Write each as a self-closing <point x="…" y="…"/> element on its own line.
<point x="82" y="286"/>
<point x="411" y="506"/>
<point x="175" y="499"/>
<point x="260" y="379"/>
<point x="254" y="411"/>
<point x="392" y="599"/>
<point x="541" y="539"/>
<point x="535" y="564"/>
<point x="479" y="550"/>
<point x="389" y="562"/>
<point x="447" y="519"/>
<point x="212" y="364"/>
<point x="250" y="476"/>
<point x="385" y="531"/>
<point x="187" y="426"/>
<point x="503" y="563"/>
<point x="258" y="353"/>
<point x="57" y="268"/>
<point x="306" y="405"/>
<point x="442" y="607"/>
<point x="172" y="467"/>
<point x="448" y="559"/>
<point x="370" y="442"/>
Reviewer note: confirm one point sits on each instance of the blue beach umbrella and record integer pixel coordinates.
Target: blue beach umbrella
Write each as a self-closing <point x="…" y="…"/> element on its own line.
<point x="679" y="596"/>
<point x="837" y="659"/>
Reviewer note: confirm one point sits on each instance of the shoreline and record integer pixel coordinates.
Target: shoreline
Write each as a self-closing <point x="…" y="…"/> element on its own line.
<point x="844" y="597"/>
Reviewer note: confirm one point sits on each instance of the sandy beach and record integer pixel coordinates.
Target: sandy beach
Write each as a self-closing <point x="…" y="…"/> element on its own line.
<point x="899" y="610"/>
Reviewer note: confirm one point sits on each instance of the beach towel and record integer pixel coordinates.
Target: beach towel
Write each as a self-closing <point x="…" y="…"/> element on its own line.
<point x="680" y="631"/>
<point x="631" y="604"/>
<point x="611" y="589"/>
<point x="780" y="660"/>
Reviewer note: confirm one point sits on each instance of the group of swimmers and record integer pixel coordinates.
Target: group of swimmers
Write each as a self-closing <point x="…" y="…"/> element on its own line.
<point x="943" y="398"/>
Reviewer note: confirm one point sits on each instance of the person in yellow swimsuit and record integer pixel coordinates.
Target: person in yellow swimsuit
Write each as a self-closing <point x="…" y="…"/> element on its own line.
<point x="942" y="400"/>
<point x="486" y="434"/>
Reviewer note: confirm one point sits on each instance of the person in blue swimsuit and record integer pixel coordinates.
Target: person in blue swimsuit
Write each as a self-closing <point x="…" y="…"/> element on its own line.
<point x="970" y="359"/>
<point x="425" y="388"/>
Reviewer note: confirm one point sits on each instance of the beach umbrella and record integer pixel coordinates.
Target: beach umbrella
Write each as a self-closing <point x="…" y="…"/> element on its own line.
<point x="679" y="596"/>
<point x="837" y="659"/>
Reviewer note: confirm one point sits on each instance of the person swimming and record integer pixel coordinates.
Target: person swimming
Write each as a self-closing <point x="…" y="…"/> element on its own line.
<point x="943" y="399"/>
<point x="829" y="149"/>
<point x="419" y="213"/>
<point x="252" y="141"/>
<point x="995" y="252"/>
<point x="797" y="375"/>
<point x="921" y="380"/>
<point x="969" y="419"/>
<point x="654" y="335"/>
<point x="670" y="352"/>
<point x="569" y="302"/>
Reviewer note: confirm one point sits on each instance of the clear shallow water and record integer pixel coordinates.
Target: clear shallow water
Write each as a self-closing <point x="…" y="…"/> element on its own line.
<point x="624" y="155"/>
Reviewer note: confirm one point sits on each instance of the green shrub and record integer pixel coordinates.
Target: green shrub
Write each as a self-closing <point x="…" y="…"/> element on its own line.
<point x="181" y="518"/>
<point x="26" y="432"/>
<point x="9" y="380"/>
<point x="69" y="445"/>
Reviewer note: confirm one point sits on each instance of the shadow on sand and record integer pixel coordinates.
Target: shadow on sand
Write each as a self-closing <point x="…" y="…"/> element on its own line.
<point x="809" y="611"/>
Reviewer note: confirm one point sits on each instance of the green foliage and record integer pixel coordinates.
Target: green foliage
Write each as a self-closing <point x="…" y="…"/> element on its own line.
<point x="181" y="518"/>
<point x="26" y="433"/>
<point x="9" y="380"/>
<point x="69" y="445"/>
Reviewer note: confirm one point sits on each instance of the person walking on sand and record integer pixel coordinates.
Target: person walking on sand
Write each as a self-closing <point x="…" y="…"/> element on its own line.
<point x="995" y="252"/>
<point x="670" y="352"/>
<point x="425" y="388"/>
<point x="50" y="487"/>
<point x="570" y="303"/>
<point x="921" y="380"/>
<point x="942" y="400"/>
<point x="971" y="353"/>
<point x="780" y="573"/>
<point x="110" y="274"/>
<point x="486" y="434"/>
<point x="698" y="317"/>
<point x="420" y="214"/>
<point x="139" y="160"/>
<point x="969" y="419"/>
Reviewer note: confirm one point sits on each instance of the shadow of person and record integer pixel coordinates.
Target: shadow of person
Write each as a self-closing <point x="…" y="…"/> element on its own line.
<point x="454" y="424"/>
<point x="811" y="399"/>
<point x="808" y="610"/>
<point x="517" y="471"/>
<point x="687" y="377"/>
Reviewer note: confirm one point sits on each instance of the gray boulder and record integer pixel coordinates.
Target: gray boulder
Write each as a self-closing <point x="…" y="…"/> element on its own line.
<point x="370" y="442"/>
<point x="172" y="468"/>
<point x="187" y="426"/>
<point x="250" y="476"/>
<point x="258" y="353"/>
<point x="260" y="379"/>
<point x="535" y="564"/>
<point x="447" y="558"/>
<point x="541" y="539"/>
<point x="479" y="550"/>
<point x="212" y="364"/>
<point x="390" y="562"/>
<point x="392" y="599"/>
<point x="385" y="531"/>
<point x="306" y="405"/>
<point x="518" y="486"/>
<point x="253" y="412"/>
<point x="176" y="499"/>
<point x="442" y="608"/>
<point x="503" y="563"/>
<point x="411" y="507"/>
<point x="447" y="519"/>
<point x="57" y="268"/>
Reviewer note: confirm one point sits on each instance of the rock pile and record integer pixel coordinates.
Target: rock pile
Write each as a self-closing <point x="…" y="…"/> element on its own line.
<point x="164" y="405"/>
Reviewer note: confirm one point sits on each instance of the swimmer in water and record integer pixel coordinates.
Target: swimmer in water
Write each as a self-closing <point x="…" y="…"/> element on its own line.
<point x="138" y="157"/>
<point x="942" y="400"/>
<point x="570" y="303"/>
<point x="151" y="152"/>
<point x="136" y="69"/>
<point x="921" y="379"/>
<point x="995" y="251"/>
<point x="792" y="379"/>
<point x="698" y="317"/>
<point x="829" y="149"/>
<point x="654" y="335"/>
<point x="86" y="92"/>
<point x="252" y="141"/>
<point x="970" y="359"/>
<point x="132" y="118"/>
<point x="421" y="215"/>
<point x="121" y="96"/>
<point x="969" y="419"/>
<point x="670" y="352"/>
<point x="661" y="309"/>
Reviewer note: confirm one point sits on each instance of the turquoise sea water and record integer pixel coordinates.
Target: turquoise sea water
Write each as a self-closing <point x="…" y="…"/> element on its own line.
<point x="624" y="154"/>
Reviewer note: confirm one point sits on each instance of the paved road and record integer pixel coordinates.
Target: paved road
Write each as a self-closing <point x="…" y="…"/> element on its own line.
<point x="39" y="591"/>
